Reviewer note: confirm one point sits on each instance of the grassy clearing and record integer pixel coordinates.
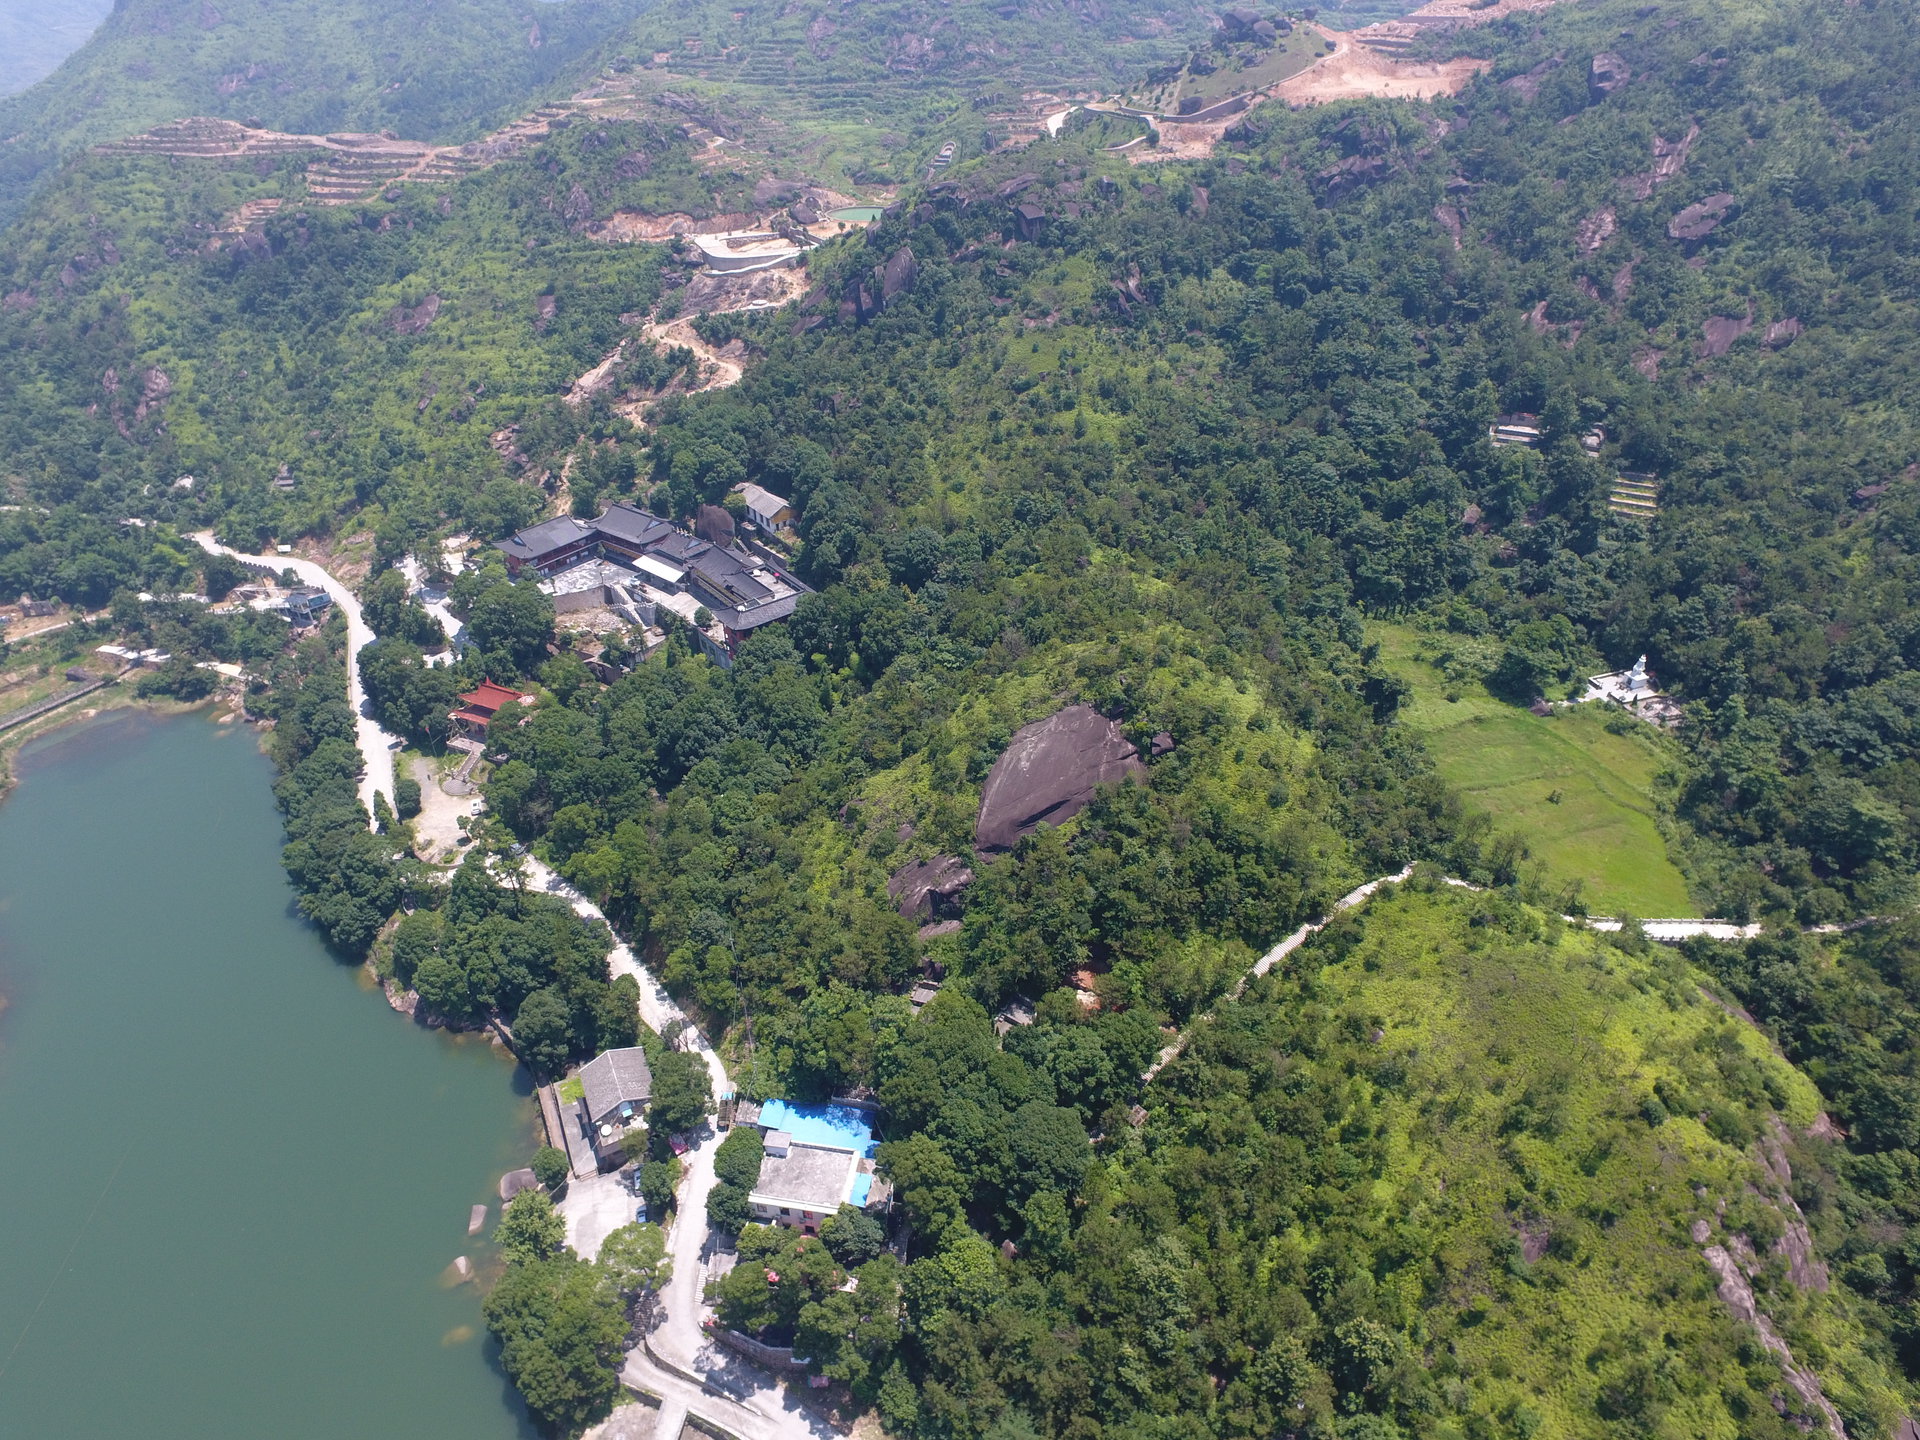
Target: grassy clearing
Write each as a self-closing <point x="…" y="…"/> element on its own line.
<point x="1599" y="832"/>
<point x="1244" y="67"/>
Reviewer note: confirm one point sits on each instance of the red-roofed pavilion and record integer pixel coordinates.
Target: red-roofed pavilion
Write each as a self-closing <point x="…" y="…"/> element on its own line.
<point x="478" y="707"/>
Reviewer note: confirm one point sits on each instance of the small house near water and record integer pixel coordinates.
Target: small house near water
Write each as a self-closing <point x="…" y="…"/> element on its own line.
<point x="616" y="1086"/>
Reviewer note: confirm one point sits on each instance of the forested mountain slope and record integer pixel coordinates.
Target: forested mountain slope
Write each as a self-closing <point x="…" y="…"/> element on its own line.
<point x="1288" y="346"/>
<point x="1448" y="1174"/>
<point x="870" y="82"/>
<point x="1155" y="438"/>
<point x="368" y="353"/>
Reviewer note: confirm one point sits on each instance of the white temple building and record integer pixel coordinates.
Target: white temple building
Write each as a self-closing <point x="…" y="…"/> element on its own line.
<point x="1635" y="690"/>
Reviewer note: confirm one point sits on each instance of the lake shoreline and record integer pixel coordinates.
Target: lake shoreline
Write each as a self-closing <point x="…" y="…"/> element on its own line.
<point x="127" y="999"/>
<point x="117" y="698"/>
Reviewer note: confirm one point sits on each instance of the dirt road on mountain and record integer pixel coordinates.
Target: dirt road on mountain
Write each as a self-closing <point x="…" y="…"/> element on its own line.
<point x="719" y="368"/>
<point x="717" y="371"/>
<point x="707" y="293"/>
<point x="1350" y="71"/>
<point x="720" y="372"/>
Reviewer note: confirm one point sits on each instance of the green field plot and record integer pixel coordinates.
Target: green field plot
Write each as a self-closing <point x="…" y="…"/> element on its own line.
<point x="1579" y="794"/>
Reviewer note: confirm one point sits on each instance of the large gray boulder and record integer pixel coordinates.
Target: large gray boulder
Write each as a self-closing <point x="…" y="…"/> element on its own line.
<point x="1606" y="75"/>
<point x="1048" y="773"/>
<point x="898" y="275"/>
<point x="1698" y="221"/>
<point x="929" y="886"/>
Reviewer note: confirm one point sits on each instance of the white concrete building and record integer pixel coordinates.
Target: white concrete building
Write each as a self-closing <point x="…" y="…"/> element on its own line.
<point x="801" y="1184"/>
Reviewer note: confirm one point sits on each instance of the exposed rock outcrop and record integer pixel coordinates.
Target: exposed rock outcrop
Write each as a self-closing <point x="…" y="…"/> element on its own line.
<point x="411" y="321"/>
<point x="1668" y="158"/>
<point x="1720" y="331"/>
<point x="1130" y="291"/>
<point x="1528" y="84"/>
<point x="1737" y="1295"/>
<point x="1048" y="773"/>
<point x="711" y="291"/>
<point x="156" y="389"/>
<point x="927" y="889"/>
<point x="770" y="191"/>
<point x="898" y="275"/>
<point x="1596" y="229"/>
<point x="1700" y="220"/>
<point x="865" y="295"/>
<point x="1606" y="75"/>
<point x="1353" y="172"/>
<point x="1805" y="1268"/>
<point x="713" y="525"/>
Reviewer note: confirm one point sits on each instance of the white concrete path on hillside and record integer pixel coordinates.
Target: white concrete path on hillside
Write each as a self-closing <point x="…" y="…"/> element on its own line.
<point x="1666" y="931"/>
<point x="434" y="602"/>
<point x="657" y="1008"/>
<point x="376" y="745"/>
<point x="1273" y="957"/>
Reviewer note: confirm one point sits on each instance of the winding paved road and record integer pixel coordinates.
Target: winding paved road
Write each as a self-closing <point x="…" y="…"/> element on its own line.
<point x="678" y="1363"/>
<point x="376" y="745"/>
<point x="765" y="1413"/>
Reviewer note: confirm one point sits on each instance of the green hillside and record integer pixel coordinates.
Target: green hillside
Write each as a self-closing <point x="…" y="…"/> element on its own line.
<point x="1449" y="1166"/>
<point x="850" y="99"/>
<point x="447" y="72"/>
<point x="308" y="349"/>
<point x="1577" y="787"/>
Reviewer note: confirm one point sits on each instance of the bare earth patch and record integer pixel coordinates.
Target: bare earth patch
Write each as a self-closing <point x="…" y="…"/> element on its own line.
<point x="349" y="558"/>
<point x="1353" y="72"/>
<point x="1466" y="13"/>
<point x="627" y="227"/>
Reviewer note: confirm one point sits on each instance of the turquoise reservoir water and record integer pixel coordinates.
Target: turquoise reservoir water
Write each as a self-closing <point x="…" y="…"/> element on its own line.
<point x="231" y="1176"/>
<point x="857" y="214"/>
